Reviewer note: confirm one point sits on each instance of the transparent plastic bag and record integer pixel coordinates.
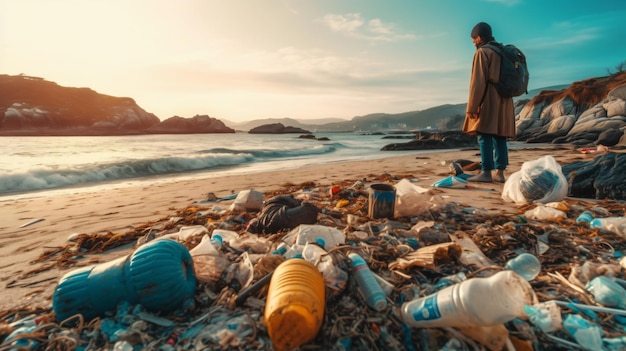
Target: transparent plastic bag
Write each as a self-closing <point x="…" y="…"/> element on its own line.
<point x="540" y="180"/>
<point x="411" y="199"/>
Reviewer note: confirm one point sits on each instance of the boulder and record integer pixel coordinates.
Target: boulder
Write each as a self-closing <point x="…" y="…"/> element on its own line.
<point x="276" y="128"/>
<point x="433" y="141"/>
<point x="601" y="178"/>
<point x="196" y="124"/>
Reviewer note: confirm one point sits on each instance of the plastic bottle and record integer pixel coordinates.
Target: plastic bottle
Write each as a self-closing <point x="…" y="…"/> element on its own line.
<point x="334" y="277"/>
<point x="614" y="224"/>
<point x="158" y="275"/>
<point x="607" y="292"/>
<point x="587" y="334"/>
<point x="332" y="237"/>
<point x="473" y="302"/>
<point x="586" y="217"/>
<point x="526" y="265"/>
<point x="228" y="236"/>
<point x="294" y="309"/>
<point x="374" y="295"/>
<point x="209" y="263"/>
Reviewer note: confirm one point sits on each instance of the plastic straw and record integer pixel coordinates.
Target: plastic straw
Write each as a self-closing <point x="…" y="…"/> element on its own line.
<point x="593" y="308"/>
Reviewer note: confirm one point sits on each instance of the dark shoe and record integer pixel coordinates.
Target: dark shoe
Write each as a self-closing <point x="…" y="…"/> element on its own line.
<point x="499" y="176"/>
<point x="482" y="177"/>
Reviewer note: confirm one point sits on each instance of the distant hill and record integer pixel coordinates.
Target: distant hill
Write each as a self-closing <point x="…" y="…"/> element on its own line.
<point x="304" y="124"/>
<point x="434" y="117"/>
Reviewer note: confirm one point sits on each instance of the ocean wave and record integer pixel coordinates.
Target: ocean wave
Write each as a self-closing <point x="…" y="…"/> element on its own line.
<point x="277" y="153"/>
<point x="45" y="179"/>
<point x="204" y="160"/>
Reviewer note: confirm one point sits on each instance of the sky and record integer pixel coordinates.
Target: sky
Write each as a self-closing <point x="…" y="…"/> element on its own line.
<point x="240" y="60"/>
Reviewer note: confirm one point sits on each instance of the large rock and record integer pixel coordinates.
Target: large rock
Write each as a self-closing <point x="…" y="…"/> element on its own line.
<point x="578" y="115"/>
<point x="196" y="124"/>
<point x="602" y="178"/>
<point x="436" y="140"/>
<point x="276" y="128"/>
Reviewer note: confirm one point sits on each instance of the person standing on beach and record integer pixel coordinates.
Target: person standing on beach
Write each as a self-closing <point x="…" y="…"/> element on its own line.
<point x="495" y="114"/>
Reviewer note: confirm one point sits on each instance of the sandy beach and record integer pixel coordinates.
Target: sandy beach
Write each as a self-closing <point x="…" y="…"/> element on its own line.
<point x="119" y="209"/>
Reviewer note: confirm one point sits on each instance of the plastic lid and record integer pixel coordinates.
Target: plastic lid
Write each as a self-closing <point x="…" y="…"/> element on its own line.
<point x="380" y="304"/>
<point x="217" y="238"/>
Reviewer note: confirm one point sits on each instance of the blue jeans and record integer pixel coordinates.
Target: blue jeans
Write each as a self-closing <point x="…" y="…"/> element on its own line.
<point x="493" y="146"/>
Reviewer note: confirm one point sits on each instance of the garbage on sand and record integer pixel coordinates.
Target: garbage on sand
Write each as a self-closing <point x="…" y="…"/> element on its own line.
<point x="442" y="245"/>
<point x="540" y="180"/>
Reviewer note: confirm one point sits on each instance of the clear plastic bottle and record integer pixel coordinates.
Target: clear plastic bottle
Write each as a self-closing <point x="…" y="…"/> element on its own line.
<point x="334" y="277"/>
<point x="473" y="302"/>
<point x="614" y="224"/>
<point x="526" y="265"/>
<point x="374" y="295"/>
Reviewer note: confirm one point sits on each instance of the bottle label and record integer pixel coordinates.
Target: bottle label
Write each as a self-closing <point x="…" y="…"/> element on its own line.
<point x="428" y="309"/>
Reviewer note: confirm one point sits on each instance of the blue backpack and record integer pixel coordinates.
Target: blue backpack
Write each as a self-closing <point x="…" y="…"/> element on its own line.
<point x="513" y="70"/>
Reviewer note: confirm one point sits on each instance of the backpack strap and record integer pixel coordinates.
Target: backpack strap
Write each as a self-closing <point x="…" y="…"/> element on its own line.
<point x="497" y="47"/>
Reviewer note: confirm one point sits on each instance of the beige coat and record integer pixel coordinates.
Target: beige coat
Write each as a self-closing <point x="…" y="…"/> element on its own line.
<point x="496" y="114"/>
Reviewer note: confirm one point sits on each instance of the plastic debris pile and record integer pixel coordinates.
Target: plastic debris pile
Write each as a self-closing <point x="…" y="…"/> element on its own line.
<point x="372" y="269"/>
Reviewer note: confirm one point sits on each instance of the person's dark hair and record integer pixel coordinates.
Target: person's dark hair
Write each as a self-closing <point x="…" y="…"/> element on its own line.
<point x="483" y="30"/>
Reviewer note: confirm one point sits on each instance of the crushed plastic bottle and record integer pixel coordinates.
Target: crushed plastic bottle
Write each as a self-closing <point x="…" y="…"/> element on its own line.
<point x="607" y="292"/>
<point x="306" y="233"/>
<point x="372" y="291"/>
<point x="613" y="224"/>
<point x="23" y="326"/>
<point x="208" y="262"/>
<point x="546" y="316"/>
<point x="334" y="277"/>
<point x="587" y="334"/>
<point x="473" y="302"/>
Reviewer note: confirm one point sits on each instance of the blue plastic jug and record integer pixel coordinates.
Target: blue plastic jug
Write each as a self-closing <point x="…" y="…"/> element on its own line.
<point x="159" y="275"/>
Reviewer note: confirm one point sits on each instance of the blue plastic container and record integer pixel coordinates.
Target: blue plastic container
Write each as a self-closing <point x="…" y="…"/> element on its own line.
<point x="158" y="275"/>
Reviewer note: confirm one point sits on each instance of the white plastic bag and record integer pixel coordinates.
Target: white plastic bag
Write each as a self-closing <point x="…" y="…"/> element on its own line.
<point x="250" y="200"/>
<point x="411" y="199"/>
<point x="306" y="233"/>
<point x="540" y="180"/>
<point x="543" y="213"/>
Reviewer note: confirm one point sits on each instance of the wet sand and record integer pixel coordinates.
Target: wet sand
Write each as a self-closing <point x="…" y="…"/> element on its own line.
<point x="118" y="210"/>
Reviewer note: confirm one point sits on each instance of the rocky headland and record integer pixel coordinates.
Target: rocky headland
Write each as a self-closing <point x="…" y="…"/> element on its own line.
<point x="35" y="107"/>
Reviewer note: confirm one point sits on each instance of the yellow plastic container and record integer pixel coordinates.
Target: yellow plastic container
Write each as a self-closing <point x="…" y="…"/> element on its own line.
<point x="294" y="310"/>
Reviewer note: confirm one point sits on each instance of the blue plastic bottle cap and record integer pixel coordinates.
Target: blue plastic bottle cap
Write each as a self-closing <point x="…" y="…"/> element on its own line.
<point x="320" y="241"/>
<point x="216" y="238"/>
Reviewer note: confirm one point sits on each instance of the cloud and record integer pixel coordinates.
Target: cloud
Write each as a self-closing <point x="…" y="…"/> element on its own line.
<point x="355" y="26"/>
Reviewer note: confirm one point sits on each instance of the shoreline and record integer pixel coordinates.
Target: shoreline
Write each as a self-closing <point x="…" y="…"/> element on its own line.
<point x="119" y="209"/>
